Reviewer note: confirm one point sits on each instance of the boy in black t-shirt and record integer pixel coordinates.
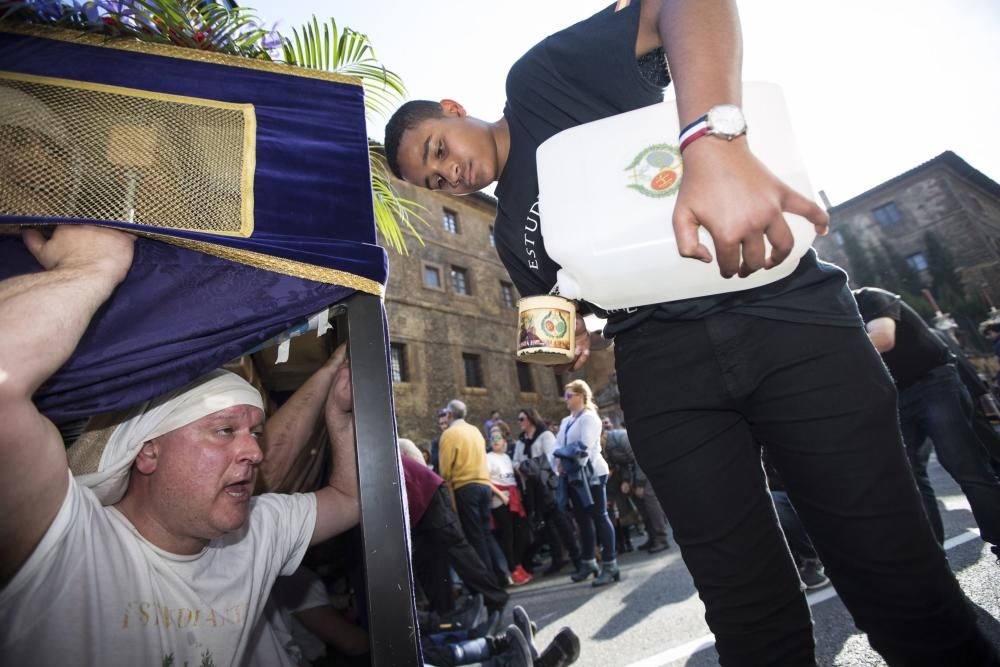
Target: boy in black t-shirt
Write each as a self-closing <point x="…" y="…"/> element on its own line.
<point x="934" y="403"/>
<point x="703" y="381"/>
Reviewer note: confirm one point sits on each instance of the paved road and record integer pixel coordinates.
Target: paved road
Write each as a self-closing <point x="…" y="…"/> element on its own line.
<point x="654" y="618"/>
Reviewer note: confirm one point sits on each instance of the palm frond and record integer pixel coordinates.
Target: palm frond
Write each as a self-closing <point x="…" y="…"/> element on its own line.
<point x="393" y="213"/>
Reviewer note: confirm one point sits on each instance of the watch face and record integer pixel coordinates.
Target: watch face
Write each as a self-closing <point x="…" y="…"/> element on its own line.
<point x="726" y="119"/>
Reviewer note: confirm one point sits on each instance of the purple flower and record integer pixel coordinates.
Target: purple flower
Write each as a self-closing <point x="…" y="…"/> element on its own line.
<point x="88" y="10"/>
<point x="119" y="8"/>
<point x="271" y="41"/>
<point x="49" y="9"/>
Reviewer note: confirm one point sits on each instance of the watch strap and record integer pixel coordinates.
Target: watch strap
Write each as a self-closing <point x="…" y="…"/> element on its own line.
<point x="697" y="129"/>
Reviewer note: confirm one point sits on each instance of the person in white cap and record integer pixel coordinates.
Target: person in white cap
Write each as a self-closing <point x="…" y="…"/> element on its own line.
<point x="158" y="553"/>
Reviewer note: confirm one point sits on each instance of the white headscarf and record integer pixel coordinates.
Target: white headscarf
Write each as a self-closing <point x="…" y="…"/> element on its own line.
<point x="213" y="392"/>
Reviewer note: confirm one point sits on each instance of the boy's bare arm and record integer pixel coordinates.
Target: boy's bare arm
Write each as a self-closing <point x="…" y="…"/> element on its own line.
<point x="725" y="189"/>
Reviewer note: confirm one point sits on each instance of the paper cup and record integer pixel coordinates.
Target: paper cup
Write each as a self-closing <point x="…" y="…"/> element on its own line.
<point x="546" y="330"/>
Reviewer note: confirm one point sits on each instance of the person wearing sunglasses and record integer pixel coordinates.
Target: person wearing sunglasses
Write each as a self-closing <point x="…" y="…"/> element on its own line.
<point x="584" y="478"/>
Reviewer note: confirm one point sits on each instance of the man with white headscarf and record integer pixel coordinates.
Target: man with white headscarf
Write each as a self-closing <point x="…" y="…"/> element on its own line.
<point x="156" y="553"/>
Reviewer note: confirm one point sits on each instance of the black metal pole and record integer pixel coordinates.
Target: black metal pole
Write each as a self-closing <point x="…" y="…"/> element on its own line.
<point x="391" y="614"/>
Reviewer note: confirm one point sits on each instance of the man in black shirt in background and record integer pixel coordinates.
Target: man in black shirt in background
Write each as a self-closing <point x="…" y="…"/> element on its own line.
<point x="933" y="403"/>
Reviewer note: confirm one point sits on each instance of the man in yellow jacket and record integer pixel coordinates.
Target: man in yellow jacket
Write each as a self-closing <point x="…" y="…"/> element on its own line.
<point x="462" y="462"/>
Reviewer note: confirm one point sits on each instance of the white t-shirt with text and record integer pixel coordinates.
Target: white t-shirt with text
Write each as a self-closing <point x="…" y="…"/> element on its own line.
<point x="95" y="592"/>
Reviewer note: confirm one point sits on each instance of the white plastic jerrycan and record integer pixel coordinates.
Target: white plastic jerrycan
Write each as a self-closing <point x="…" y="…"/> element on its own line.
<point x="606" y="196"/>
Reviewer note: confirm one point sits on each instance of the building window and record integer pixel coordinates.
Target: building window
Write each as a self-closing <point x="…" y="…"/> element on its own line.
<point x="886" y="215"/>
<point x="460" y="280"/>
<point x="560" y="385"/>
<point x="450" y="221"/>
<point x="524" y="379"/>
<point x="493" y="238"/>
<point x="507" y="294"/>
<point x="432" y="277"/>
<point x="917" y="262"/>
<point x="397" y="360"/>
<point x="473" y="370"/>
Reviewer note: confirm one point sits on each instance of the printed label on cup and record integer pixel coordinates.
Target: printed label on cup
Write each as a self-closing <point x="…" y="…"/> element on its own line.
<point x="546" y="330"/>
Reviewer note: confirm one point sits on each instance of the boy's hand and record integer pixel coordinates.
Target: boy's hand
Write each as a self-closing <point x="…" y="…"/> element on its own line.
<point x="730" y="193"/>
<point x="582" y="337"/>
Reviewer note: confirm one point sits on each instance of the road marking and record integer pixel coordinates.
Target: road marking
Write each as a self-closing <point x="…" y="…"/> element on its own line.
<point x="687" y="649"/>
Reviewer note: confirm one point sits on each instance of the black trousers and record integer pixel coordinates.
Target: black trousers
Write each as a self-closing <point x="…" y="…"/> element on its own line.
<point x="512" y="534"/>
<point x="472" y="502"/>
<point x="438" y="541"/>
<point x="699" y="396"/>
<point x="558" y="534"/>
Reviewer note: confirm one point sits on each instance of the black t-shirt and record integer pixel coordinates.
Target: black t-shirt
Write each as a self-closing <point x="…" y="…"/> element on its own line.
<point x="584" y="73"/>
<point x="917" y="350"/>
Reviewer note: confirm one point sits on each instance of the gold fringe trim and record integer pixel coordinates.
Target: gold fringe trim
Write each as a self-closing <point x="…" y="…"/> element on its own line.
<point x="284" y="266"/>
<point x="168" y="51"/>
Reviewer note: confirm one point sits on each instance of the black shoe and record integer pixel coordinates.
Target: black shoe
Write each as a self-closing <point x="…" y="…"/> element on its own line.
<point x="564" y="650"/>
<point x="511" y="650"/>
<point x="466" y="618"/>
<point x="527" y="628"/>
<point x="555" y="567"/>
<point x="657" y="547"/>
<point x="812" y="575"/>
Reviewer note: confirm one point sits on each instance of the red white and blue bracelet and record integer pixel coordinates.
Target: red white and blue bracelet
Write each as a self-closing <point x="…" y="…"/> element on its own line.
<point x="695" y="130"/>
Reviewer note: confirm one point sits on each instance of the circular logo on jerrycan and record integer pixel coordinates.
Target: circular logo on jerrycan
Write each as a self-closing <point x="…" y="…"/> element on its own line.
<point x="656" y="171"/>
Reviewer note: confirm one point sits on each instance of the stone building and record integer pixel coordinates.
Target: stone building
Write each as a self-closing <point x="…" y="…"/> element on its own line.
<point x="452" y="314"/>
<point x="944" y="195"/>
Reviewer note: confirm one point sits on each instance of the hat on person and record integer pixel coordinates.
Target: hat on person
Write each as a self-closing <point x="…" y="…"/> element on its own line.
<point x="101" y="459"/>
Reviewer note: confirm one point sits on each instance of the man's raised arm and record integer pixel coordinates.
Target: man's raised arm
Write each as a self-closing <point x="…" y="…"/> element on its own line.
<point x="337" y="505"/>
<point x="290" y="429"/>
<point x="42" y="318"/>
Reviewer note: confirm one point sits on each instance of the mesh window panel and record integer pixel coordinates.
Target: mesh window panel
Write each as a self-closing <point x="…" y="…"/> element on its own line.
<point x="97" y="152"/>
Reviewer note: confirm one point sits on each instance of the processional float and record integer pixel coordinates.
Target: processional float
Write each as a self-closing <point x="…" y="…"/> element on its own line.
<point x="249" y="187"/>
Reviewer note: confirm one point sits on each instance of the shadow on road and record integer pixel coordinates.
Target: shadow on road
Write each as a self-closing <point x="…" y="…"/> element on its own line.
<point x="656" y="591"/>
<point x="653" y="582"/>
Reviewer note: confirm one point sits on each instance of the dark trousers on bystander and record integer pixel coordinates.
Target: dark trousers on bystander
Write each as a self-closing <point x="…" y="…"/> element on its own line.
<point x="938" y="407"/>
<point x="472" y="501"/>
<point x="438" y="541"/>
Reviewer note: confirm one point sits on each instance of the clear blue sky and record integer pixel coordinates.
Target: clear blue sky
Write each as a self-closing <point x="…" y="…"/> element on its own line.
<point x="874" y="87"/>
